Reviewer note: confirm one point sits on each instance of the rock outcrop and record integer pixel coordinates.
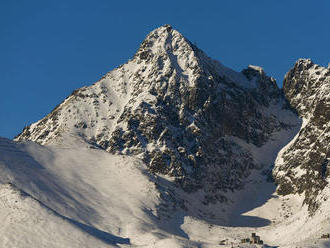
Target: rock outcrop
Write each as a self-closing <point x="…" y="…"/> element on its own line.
<point x="304" y="166"/>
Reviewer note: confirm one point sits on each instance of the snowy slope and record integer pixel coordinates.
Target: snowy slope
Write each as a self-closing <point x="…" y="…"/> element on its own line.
<point x="93" y="193"/>
<point x="27" y="223"/>
<point x="75" y="196"/>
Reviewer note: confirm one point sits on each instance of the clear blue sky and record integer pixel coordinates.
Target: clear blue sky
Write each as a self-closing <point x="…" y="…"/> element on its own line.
<point x="49" y="48"/>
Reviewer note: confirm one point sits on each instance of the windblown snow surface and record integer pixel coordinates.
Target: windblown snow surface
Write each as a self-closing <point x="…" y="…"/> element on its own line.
<point x="77" y="196"/>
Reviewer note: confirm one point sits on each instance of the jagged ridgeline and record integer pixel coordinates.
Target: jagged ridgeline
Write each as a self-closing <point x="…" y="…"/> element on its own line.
<point x="183" y="113"/>
<point x="304" y="166"/>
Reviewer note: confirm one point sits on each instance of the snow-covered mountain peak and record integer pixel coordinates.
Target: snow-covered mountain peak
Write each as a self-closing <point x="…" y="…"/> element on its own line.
<point x="183" y="113"/>
<point x="162" y="39"/>
<point x="172" y="48"/>
<point x="303" y="63"/>
<point x="167" y="43"/>
<point x="305" y="85"/>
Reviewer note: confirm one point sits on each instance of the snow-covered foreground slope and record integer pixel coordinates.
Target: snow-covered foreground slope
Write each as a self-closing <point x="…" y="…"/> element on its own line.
<point x="96" y="199"/>
<point x="25" y="222"/>
<point x="75" y="196"/>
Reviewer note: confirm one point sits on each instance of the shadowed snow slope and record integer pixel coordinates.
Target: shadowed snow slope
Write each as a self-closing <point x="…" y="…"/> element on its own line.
<point x="74" y="195"/>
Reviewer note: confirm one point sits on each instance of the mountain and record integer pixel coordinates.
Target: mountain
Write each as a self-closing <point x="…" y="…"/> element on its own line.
<point x="184" y="114"/>
<point x="303" y="166"/>
<point x="173" y="149"/>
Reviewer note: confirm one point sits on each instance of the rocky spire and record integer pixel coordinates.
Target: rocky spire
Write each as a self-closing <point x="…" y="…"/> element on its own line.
<point x="300" y="168"/>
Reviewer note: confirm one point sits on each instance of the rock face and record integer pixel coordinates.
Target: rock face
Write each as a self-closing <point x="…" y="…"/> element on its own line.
<point x="304" y="166"/>
<point x="180" y="111"/>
